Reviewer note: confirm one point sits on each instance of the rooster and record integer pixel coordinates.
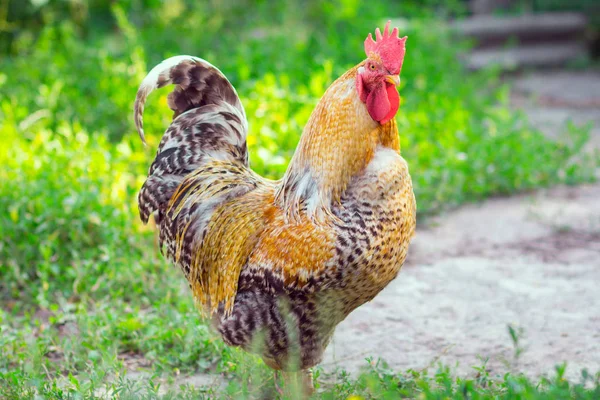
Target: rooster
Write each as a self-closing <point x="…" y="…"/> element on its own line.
<point x="278" y="264"/>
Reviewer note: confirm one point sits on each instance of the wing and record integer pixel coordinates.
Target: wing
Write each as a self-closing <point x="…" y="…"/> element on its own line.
<point x="290" y="257"/>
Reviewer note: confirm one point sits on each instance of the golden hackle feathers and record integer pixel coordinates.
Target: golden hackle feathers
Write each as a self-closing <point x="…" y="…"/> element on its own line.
<point x="337" y="142"/>
<point x="218" y="248"/>
<point x="218" y="259"/>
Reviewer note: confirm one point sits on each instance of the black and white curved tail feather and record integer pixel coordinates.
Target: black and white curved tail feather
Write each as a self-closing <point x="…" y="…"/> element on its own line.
<point x="209" y="123"/>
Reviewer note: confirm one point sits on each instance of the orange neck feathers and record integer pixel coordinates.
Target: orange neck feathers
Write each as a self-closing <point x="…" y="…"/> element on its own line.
<point x="338" y="142"/>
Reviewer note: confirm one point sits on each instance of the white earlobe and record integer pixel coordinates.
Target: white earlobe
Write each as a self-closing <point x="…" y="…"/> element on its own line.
<point x="361" y="70"/>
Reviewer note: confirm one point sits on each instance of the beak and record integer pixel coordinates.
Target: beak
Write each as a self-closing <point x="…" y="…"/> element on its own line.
<point x="393" y="79"/>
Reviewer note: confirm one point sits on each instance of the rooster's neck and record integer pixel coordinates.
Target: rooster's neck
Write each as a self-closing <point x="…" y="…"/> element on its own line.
<point x="338" y="141"/>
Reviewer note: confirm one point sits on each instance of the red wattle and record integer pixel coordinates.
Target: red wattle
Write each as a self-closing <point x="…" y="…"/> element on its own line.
<point x="378" y="104"/>
<point x="394" y="100"/>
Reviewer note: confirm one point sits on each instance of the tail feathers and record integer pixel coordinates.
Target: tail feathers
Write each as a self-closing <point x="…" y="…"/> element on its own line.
<point x="197" y="82"/>
<point x="209" y="124"/>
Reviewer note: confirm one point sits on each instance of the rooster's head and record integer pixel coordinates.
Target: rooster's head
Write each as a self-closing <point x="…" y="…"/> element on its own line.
<point x="378" y="76"/>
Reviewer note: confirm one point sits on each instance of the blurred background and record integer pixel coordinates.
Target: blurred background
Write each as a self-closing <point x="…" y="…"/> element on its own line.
<point x="499" y="97"/>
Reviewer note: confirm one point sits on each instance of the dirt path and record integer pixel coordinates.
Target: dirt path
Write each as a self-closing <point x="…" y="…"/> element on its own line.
<point x="530" y="261"/>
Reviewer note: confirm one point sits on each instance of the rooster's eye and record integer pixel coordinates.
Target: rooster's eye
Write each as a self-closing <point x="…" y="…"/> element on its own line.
<point x="372" y="66"/>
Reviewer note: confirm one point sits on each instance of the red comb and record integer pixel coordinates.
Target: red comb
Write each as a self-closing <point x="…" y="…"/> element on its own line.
<point x="388" y="46"/>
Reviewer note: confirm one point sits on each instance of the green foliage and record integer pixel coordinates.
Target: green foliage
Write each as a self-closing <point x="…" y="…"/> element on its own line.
<point x="376" y="382"/>
<point x="68" y="201"/>
<point x="86" y="298"/>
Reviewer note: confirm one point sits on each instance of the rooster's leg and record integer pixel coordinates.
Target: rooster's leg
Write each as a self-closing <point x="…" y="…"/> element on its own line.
<point x="307" y="382"/>
<point x="298" y="385"/>
<point x="278" y="388"/>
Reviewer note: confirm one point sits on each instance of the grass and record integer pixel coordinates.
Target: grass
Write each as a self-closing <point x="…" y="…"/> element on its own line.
<point x="86" y="297"/>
